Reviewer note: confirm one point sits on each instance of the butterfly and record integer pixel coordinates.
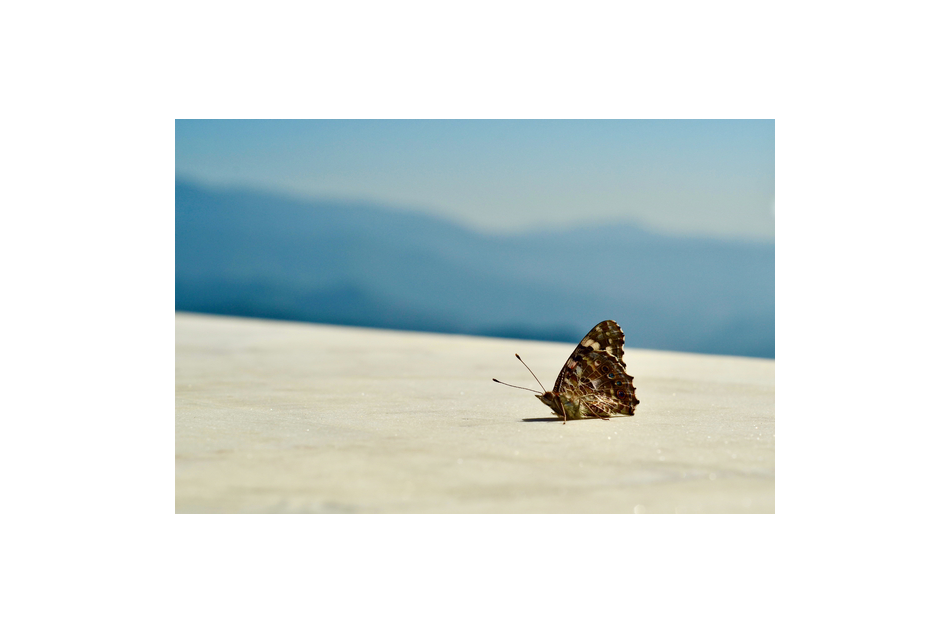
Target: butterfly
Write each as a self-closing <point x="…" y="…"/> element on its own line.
<point x="593" y="382"/>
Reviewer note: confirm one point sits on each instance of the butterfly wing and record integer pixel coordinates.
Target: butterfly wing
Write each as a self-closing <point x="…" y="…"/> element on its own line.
<point x="594" y="381"/>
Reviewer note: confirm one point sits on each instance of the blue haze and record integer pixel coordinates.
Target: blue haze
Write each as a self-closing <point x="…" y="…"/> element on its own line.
<point x="245" y="252"/>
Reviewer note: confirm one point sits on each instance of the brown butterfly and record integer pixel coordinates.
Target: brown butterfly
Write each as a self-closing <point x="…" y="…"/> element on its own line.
<point x="594" y="382"/>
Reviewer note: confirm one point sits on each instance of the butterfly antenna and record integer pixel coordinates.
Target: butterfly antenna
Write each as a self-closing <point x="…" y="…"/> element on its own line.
<point x="529" y="369"/>
<point x="515" y="386"/>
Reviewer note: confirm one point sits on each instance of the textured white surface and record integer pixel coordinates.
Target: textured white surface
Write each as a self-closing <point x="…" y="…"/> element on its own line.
<point x="288" y="417"/>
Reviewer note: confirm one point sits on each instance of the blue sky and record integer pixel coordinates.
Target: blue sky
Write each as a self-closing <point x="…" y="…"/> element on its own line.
<point x="676" y="176"/>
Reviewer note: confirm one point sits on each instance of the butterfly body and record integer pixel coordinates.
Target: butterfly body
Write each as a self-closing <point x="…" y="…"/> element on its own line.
<point x="563" y="407"/>
<point x="593" y="382"/>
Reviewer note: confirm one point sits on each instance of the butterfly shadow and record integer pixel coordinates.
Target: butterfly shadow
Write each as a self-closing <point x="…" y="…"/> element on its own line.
<point x="541" y="420"/>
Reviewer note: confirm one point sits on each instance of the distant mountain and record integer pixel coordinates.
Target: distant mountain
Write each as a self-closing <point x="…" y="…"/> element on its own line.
<point x="247" y="253"/>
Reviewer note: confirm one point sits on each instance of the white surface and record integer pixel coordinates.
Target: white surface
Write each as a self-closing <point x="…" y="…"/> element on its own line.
<point x="288" y="417"/>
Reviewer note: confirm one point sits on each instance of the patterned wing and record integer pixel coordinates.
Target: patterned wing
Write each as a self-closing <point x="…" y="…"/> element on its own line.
<point x="607" y="337"/>
<point x="595" y="384"/>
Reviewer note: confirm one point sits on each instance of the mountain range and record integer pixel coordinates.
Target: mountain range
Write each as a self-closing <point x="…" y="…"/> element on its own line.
<point x="250" y="253"/>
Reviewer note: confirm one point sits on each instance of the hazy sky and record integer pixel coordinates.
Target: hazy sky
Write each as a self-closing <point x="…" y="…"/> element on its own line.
<point x="693" y="177"/>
